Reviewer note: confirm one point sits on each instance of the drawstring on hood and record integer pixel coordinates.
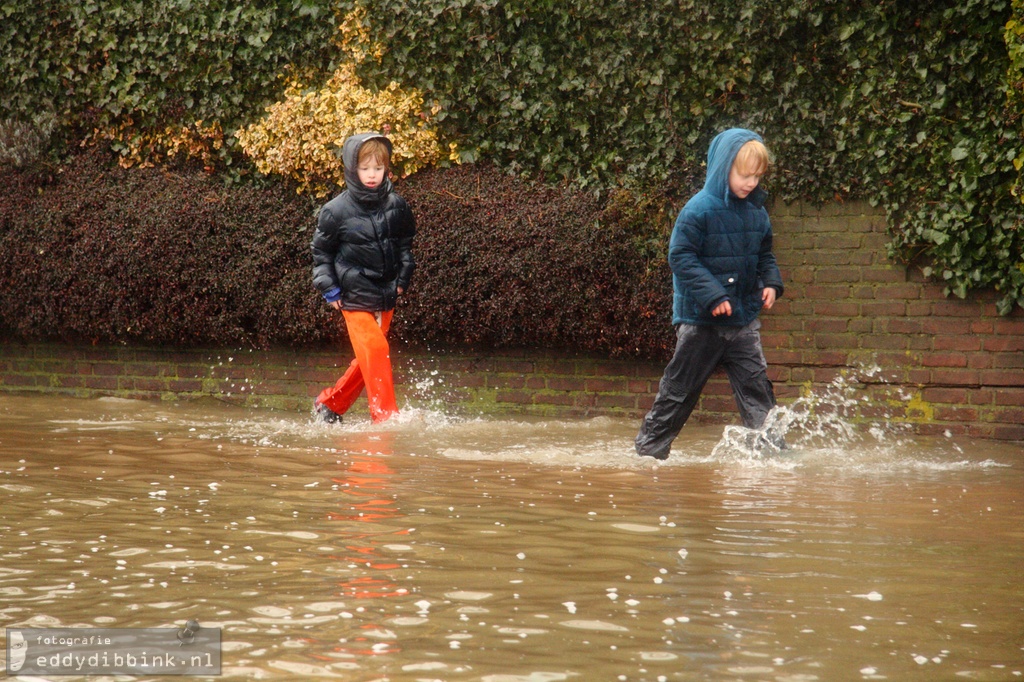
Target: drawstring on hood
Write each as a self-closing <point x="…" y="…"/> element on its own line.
<point x="350" y="159"/>
<point x="721" y="153"/>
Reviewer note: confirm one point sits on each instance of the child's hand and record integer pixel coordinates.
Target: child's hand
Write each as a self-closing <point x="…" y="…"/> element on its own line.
<point x="400" y="291"/>
<point x="723" y="308"/>
<point x="336" y="305"/>
<point x="768" y="296"/>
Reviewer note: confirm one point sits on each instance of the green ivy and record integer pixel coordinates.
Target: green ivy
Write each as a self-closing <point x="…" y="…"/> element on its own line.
<point x="103" y="63"/>
<point x="1015" y="88"/>
<point x="912" y="106"/>
<point x="902" y="104"/>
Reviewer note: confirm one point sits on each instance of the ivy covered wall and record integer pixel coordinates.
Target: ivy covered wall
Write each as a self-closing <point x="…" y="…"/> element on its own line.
<point x="155" y="78"/>
<point x="901" y="104"/>
<point x="914" y="107"/>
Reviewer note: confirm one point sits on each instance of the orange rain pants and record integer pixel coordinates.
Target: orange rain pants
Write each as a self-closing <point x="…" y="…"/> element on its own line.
<point x="371" y="368"/>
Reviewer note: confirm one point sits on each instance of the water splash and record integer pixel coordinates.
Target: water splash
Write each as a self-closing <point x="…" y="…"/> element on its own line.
<point x="843" y="424"/>
<point x="856" y="423"/>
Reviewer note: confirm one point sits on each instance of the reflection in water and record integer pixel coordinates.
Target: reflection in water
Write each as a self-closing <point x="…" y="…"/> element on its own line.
<point x="367" y="504"/>
<point x="442" y="548"/>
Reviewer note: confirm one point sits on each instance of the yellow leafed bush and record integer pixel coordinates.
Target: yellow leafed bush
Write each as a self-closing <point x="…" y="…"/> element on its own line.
<point x="301" y="137"/>
<point x="144" y="148"/>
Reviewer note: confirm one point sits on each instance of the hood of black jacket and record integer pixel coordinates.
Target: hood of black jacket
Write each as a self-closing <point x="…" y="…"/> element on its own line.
<point x="350" y="159"/>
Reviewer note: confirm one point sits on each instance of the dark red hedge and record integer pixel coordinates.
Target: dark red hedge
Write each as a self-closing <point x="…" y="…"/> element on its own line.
<point x="96" y="253"/>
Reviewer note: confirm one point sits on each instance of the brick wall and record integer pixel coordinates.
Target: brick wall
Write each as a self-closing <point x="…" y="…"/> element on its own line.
<point x="898" y="348"/>
<point x="942" y="363"/>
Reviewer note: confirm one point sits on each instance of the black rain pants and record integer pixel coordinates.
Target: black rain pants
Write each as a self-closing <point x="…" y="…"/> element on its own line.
<point x="699" y="351"/>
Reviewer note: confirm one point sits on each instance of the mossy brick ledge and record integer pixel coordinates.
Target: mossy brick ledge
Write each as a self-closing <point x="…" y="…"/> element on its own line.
<point x="472" y="384"/>
<point x="939" y="364"/>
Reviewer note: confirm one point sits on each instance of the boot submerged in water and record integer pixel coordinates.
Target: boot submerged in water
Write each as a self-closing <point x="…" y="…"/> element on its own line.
<point x="324" y="414"/>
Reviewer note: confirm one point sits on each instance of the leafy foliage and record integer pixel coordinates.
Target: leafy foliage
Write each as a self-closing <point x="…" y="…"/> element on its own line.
<point x="97" y="253"/>
<point x="913" y="106"/>
<point x="1015" y="87"/>
<point x="507" y="263"/>
<point x="102" y="254"/>
<point x="899" y="103"/>
<point x="301" y="137"/>
<point x="25" y="143"/>
<point x="156" y="77"/>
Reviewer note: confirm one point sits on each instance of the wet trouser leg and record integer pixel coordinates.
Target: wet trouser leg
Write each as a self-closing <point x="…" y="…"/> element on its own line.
<point x="371" y="368"/>
<point x="699" y="351"/>
<point x="748" y="376"/>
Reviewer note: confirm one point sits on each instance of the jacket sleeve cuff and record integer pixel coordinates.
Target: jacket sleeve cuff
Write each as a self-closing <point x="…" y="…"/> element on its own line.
<point x="332" y="295"/>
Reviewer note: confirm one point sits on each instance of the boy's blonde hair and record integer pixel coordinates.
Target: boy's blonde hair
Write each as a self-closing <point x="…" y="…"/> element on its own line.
<point x="376" y="150"/>
<point x="752" y="158"/>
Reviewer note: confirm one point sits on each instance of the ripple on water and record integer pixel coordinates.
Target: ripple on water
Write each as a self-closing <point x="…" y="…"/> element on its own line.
<point x="597" y="625"/>
<point x="658" y="656"/>
<point x="636" y="527"/>
<point x="326" y="606"/>
<point x="310" y="671"/>
<point x="493" y="547"/>
<point x="529" y="677"/>
<point x="15" y="488"/>
<point x="463" y="595"/>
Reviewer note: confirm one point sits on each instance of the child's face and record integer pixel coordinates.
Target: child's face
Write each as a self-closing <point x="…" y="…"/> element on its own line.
<point x="372" y="171"/>
<point x="743" y="180"/>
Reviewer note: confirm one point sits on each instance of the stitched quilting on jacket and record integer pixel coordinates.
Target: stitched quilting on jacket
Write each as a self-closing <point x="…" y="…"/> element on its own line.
<point x="721" y="245"/>
<point x="362" y="245"/>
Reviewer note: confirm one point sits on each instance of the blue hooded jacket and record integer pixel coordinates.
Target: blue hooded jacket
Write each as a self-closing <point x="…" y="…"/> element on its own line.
<point x="721" y="245"/>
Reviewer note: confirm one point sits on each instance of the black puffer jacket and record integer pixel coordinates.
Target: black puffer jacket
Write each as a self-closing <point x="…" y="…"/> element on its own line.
<point x="362" y="246"/>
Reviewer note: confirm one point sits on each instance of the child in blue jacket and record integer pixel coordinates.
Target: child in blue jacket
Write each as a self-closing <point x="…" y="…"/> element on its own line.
<point x="723" y="274"/>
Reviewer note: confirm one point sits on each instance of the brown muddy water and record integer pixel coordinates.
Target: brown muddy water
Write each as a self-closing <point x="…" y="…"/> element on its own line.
<point x="508" y="549"/>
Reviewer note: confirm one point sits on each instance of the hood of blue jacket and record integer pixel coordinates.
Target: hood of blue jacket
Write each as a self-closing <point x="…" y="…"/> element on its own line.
<point x="350" y="159"/>
<point x="721" y="153"/>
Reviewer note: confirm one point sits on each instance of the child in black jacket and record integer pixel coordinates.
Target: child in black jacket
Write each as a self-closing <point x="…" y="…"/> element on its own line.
<point x="362" y="263"/>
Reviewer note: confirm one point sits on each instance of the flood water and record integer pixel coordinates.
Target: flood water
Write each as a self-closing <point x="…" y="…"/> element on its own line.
<point x="449" y="548"/>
